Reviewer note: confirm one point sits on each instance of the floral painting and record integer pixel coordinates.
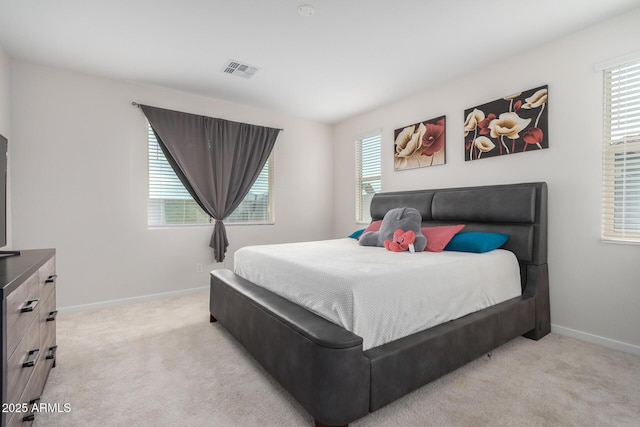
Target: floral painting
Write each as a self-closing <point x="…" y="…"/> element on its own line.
<point x="420" y="145"/>
<point x="514" y="124"/>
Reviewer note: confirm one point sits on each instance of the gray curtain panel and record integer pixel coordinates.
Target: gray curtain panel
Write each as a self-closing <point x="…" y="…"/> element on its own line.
<point x="217" y="160"/>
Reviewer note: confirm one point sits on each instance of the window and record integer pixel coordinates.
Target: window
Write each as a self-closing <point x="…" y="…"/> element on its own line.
<point x="171" y="204"/>
<point x="368" y="174"/>
<point x="621" y="153"/>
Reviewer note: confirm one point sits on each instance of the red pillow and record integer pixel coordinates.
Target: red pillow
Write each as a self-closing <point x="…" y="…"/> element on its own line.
<point x="438" y="237"/>
<point x="374" y="226"/>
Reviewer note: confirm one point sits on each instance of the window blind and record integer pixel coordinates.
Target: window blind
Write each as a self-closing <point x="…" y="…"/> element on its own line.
<point x="256" y="206"/>
<point x="621" y="153"/>
<point x="170" y="203"/>
<point x="368" y="174"/>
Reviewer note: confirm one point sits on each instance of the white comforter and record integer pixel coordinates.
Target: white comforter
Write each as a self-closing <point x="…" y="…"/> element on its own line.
<point x="377" y="294"/>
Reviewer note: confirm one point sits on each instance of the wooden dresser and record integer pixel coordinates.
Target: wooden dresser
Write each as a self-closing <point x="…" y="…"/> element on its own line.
<point x="28" y="333"/>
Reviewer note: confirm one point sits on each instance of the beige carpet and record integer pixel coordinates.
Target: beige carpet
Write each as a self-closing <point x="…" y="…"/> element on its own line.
<point x="161" y="363"/>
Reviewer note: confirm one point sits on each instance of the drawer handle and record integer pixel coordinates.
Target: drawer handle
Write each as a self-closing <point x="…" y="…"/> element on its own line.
<point x="32" y="415"/>
<point x="28" y="418"/>
<point x="51" y="278"/>
<point x="52" y="352"/>
<point x="52" y="316"/>
<point x="32" y="358"/>
<point x="30" y="306"/>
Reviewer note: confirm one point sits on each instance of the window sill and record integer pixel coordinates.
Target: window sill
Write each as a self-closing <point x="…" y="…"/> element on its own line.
<point x="208" y="225"/>
<point x="620" y="241"/>
<point x="233" y="224"/>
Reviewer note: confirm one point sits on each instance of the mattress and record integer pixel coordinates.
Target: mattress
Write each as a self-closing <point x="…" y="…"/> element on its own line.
<point x="377" y="294"/>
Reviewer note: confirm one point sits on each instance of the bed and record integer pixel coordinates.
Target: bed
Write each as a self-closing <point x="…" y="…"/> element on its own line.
<point x="327" y="368"/>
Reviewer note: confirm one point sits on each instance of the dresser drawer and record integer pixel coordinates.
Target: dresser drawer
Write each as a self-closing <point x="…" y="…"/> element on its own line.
<point x="47" y="278"/>
<point x="48" y="316"/>
<point x="31" y="396"/>
<point x="46" y="359"/>
<point x="22" y="309"/>
<point x="23" y="363"/>
<point x="35" y="387"/>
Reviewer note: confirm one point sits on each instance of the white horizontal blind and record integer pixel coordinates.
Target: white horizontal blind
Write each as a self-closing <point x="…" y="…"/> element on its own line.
<point x="368" y="174"/>
<point x="256" y="206"/>
<point x="621" y="153"/>
<point x="170" y="203"/>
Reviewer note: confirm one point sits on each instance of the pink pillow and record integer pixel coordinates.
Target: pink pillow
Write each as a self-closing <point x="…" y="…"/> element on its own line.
<point x="438" y="237"/>
<point x="374" y="226"/>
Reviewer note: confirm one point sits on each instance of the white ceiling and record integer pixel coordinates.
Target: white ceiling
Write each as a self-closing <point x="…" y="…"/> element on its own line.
<point x="347" y="58"/>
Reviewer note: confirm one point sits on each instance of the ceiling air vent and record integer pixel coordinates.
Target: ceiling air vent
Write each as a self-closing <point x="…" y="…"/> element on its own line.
<point x="237" y="68"/>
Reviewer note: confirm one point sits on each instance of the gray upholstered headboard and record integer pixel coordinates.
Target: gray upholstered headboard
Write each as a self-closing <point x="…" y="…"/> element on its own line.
<point x="519" y="210"/>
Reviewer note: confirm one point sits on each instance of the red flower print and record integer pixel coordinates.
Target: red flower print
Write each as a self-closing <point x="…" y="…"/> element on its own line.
<point x="517" y="106"/>
<point x="484" y="124"/>
<point x="533" y="136"/>
<point x="433" y="139"/>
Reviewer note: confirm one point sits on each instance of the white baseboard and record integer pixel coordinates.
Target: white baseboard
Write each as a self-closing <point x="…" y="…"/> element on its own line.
<point x="133" y="300"/>
<point x="595" y="339"/>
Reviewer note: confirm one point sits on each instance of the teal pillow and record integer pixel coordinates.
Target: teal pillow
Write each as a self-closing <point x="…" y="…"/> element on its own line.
<point x="476" y="241"/>
<point x="356" y="234"/>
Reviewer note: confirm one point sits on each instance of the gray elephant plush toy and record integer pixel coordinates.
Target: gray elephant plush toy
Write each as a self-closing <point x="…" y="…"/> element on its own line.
<point x="408" y="220"/>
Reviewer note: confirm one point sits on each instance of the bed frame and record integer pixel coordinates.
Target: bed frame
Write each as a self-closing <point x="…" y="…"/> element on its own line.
<point x="324" y="366"/>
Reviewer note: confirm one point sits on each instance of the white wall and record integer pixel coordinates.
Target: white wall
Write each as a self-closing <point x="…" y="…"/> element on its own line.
<point x="595" y="287"/>
<point x="4" y="126"/>
<point x="79" y="170"/>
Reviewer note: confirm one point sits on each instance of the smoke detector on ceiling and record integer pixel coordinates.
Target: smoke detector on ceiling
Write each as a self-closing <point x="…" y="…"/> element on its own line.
<point x="237" y="68"/>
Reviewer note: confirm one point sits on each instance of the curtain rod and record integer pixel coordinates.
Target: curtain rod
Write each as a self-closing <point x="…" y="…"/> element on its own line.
<point x="135" y="104"/>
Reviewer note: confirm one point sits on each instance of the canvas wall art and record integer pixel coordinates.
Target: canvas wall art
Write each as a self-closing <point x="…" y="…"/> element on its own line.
<point x="420" y="145"/>
<point x="516" y="123"/>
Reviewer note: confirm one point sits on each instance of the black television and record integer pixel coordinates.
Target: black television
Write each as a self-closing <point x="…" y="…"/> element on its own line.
<point x="3" y="197"/>
<point x="3" y="191"/>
